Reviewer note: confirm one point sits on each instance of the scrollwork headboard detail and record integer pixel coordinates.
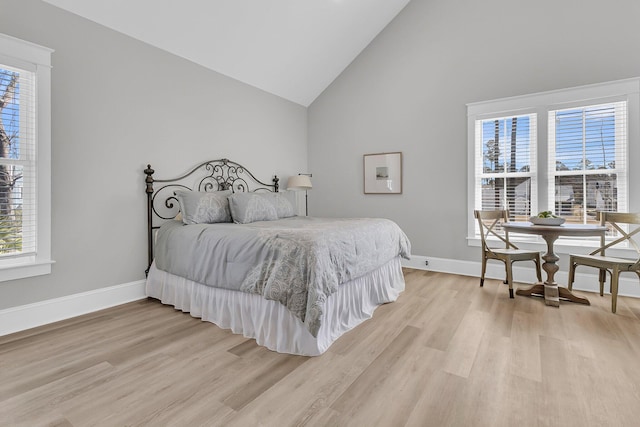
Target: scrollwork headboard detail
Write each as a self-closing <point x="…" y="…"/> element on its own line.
<point x="212" y="175"/>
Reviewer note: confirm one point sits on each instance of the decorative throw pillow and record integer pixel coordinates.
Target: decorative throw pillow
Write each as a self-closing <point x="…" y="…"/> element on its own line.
<point x="204" y="208"/>
<point x="251" y="207"/>
<point x="284" y="202"/>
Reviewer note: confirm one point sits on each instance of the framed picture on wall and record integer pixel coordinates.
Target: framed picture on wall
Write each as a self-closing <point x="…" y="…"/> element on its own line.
<point x="383" y="173"/>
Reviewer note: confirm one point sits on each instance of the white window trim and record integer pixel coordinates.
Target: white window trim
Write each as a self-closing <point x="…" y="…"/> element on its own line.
<point x="628" y="89"/>
<point x="29" y="56"/>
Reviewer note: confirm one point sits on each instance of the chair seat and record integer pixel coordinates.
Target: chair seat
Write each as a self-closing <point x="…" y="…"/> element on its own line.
<point x="503" y="251"/>
<point x="514" y="254"/>
<point x="602" y="260"/>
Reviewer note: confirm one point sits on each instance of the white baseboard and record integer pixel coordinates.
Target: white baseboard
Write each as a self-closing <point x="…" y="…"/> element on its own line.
<point x="29" y="316"/>
<point x="628" y="285"/>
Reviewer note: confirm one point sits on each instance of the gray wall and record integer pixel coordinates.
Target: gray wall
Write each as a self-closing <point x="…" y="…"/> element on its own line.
<point x="118" y="104"/>
<point x="408" y="89"/>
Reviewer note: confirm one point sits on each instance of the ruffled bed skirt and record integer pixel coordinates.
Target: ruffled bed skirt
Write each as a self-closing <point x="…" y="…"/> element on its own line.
<point x="269" y="322"/>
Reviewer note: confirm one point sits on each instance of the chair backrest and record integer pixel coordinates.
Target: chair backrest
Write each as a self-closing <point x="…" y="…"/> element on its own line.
<point x="615" y="220"/>
<point x="490" y="223"/>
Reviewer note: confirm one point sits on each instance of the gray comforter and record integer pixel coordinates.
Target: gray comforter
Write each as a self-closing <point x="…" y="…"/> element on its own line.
<point x="297" y="261"/>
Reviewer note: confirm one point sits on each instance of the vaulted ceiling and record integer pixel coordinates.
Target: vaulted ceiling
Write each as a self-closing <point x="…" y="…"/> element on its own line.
<point x="291" y="48"/>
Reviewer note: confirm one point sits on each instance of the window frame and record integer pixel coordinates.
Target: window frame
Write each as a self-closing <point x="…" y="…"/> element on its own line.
<point x="542" y="103"/>
<point x="37" y="59"/>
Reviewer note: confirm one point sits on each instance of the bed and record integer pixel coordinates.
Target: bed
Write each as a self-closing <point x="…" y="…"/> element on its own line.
<point x="228" y="248"/>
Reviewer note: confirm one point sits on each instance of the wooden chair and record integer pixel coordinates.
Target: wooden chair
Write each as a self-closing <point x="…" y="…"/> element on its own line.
<point x="612" y="265"/>
<point x="489" y="222"/>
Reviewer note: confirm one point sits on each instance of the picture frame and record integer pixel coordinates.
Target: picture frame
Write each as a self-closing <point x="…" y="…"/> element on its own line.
<point x="383" y="173"/>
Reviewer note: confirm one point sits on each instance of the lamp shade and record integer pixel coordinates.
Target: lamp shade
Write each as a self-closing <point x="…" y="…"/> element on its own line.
<point x="299" y="182"/>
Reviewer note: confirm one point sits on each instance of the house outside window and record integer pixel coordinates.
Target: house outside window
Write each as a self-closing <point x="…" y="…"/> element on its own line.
<point x="25" y="159"/>
<point x="564" y="151"/>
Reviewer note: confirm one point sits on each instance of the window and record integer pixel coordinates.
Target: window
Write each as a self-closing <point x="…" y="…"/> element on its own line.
<point x="25" y="159"/>
<point x="505" y="172"/>
<point x="564" y="151"/>
<point x="587" y="161"/>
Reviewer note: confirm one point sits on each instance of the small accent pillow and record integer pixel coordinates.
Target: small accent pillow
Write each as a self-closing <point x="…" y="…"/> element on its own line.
<point x="204" y="208"/>
<point x="251" y="207"/>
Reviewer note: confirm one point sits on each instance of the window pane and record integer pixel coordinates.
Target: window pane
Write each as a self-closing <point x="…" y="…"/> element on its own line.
<point x="519" y="198"/>
<point x="506" y="145"/>
<point x="492" y="155"/>
<point x="569" y="198"/>
<point x="9" y="114"/>
<point x="513" y="194"/>
<point x="601" y="193"/>
<point x="600" y="137"/>
<point x="586" y="138"/>
<point x="492" y="194"/>
<point x="569" y="136"/>
<point x="578" y="198"/>
<point x="11" y="223"/>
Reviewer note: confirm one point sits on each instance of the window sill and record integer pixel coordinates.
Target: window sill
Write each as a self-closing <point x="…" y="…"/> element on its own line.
<point x="561" y="246"/>
<point x="16" y="271"/>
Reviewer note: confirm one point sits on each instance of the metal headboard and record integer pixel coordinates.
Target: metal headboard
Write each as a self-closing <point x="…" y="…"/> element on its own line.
<point x="212" y="175"/>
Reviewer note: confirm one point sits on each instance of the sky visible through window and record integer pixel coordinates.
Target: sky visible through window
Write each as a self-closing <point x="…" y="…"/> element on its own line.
<point x="499" y="158"/>
<point x="588" y="132"/>
<point x="585" y="139"/>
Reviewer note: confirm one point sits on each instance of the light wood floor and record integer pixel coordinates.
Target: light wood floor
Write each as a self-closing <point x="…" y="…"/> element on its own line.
<point x="447" y="353"/>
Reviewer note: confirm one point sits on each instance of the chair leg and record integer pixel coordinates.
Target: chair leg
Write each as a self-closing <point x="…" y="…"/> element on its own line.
<point x="509" y="278"/>
<point x="603" y="277"/>
<point x="572" y="273"/>
<point x="615" y="274"/>
<point x="484" y="270"/>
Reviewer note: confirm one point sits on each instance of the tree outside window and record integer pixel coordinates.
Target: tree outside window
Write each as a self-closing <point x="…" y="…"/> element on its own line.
<point x="10" y="171"/>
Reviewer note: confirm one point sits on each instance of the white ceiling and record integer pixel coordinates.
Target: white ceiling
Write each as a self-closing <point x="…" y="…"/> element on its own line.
<point x="291" y="48"/>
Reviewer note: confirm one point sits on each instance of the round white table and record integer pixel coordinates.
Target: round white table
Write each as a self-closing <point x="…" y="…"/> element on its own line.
<point x="550" y="233"/>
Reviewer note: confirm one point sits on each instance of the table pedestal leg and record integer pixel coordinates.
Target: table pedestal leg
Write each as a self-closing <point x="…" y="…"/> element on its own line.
<point x="551" y="294"/>
<point x="566" y="294"/>
<point x="535" y="290"/>
<point x="550" y="289"/>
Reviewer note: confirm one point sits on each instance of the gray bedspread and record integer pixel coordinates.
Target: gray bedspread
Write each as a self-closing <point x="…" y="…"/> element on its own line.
<point x="297" y="261"/>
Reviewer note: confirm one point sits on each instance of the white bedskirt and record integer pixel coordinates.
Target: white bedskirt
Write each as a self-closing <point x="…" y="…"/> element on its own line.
<point x="269" y="322"/>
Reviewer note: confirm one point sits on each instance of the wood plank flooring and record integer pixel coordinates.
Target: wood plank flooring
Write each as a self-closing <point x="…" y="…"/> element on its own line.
<point x="447" y="353"/>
